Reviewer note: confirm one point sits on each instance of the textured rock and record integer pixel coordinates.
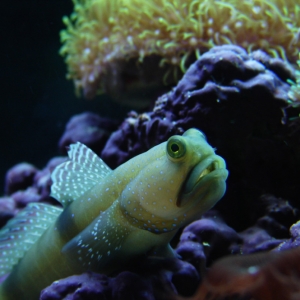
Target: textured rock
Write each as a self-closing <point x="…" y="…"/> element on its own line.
<point x="89" y="129"/>
<point x="153" y="279"/>
<point x="213" y="237"/>
<point x="22" y="198"/>
<point x="19" y="177"/>
<point x="88" y="286"/>
<point x="7" y="209"/>
<point x="220" y="93"/>
<point x="239" y="101"/>
<point x="42" y="179"/>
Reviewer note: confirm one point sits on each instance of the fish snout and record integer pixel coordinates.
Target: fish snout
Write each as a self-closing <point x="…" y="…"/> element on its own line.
<point x="201" y="177"/>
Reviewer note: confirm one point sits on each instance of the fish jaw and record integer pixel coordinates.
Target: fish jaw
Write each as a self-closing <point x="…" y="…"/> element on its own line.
<point x="205" y="185"/>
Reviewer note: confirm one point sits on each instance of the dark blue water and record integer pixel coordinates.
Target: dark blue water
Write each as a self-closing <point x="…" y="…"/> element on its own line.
<point x="36" y="99"/>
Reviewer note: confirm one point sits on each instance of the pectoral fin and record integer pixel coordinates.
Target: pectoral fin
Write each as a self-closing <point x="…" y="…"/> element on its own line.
<point x="98" y="243"/>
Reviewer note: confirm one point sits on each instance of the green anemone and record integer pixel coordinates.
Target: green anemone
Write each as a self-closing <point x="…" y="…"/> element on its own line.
<point x="107" y="43"/>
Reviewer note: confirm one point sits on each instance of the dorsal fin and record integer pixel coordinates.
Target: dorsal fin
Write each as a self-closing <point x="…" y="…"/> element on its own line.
<point x="21" y="232"/>
<point x="73" y="178"/>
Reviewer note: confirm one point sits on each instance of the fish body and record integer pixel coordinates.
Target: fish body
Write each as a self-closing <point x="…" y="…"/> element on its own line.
<point x="110" y="217"/>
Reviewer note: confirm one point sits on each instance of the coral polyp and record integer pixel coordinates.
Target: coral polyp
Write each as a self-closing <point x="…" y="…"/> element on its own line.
<point x="110" y="44"/>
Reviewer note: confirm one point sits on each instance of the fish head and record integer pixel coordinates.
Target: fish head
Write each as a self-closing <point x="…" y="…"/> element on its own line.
<point x="178" y="181"/>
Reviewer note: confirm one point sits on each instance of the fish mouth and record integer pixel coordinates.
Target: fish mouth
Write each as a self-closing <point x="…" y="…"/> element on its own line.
<point x="211" y="168"/>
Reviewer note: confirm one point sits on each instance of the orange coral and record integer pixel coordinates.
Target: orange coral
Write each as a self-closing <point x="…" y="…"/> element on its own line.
<point x="108" y="41"/>
<point x="264" y="276"/>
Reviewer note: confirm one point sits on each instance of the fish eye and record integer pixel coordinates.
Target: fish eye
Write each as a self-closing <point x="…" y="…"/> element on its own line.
<point x="176" y="147"/>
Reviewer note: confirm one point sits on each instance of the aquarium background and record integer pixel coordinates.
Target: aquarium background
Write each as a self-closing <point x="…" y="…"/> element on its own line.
<point x="241" y="102"/>
<point x="36" y="100"/>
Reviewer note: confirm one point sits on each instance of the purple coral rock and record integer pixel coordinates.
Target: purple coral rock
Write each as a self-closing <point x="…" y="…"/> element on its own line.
<point x="294" y="241"/>
<point x="185" y="278"/>
<point x="128" y="285"/>
<point x="42" y="179"/>
<point x="128" y="141"/>
<point x="7" y="209"/>
<point x="225" y="85"/>
<point x="280" y="215"/>
<point x="271" y="229"/>
<point x="241" y="104"/>
<point x="155" y="278"/>
<point x="191" y="250"/>
<point x="213" y="234"/>
<point x="88" y="286"/>
<point x="170" y="276"/>
<point x="89" y="129"/>
<point x="22" y="198"/>
<point x="19" y="177"/>
<point x="257" y="239"/>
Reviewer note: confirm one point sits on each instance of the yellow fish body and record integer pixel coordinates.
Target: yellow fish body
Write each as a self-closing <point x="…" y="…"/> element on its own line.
<point x="109" y="217"/>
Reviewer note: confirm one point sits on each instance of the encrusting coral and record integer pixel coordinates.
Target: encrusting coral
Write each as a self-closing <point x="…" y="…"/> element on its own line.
<point x="89" y="128"/>
<point x="115" y="45"/>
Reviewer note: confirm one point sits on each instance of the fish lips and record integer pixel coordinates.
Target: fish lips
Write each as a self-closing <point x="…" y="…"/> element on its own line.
<point x="211" y="168"/>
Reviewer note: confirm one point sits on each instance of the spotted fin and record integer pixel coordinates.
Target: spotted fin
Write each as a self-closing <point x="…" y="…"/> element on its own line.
<point x="21" y="232"/>
<point x="73" y="178"/>
<point x="98" y="243"/>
